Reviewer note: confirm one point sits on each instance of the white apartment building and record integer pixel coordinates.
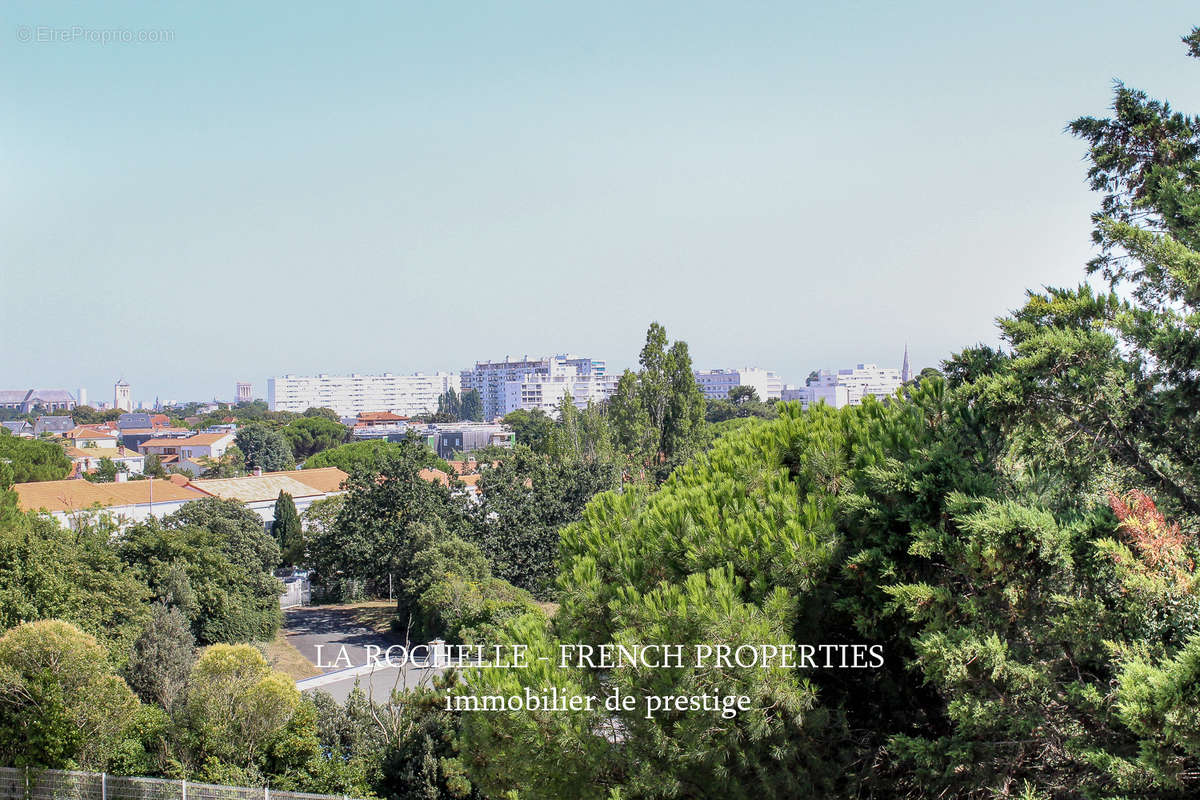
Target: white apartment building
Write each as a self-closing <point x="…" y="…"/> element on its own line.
<point x="491" y="378"/>
<point x="716" y="383"/>
<point x="832" y="396"/>
<point x="349" y="395"/>
<point x="860" y="381"/>
<point x="545" y="392"/>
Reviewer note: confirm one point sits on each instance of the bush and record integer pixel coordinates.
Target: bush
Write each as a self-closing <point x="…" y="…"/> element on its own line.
<point x="61" y="706"/>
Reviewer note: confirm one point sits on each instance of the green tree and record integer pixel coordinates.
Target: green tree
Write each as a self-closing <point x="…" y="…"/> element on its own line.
<point x="86" y="415"/>
<point x="630" y="419"/>
<point x="162" y="657"/>
<point x="525" y="501"/>
<point x="372" y="541"/>
<point x="231" y="464"/>
<point x="236" y="704"/>
<point x="308" y="436"/>
<point x="240" y="531"/>
<point x="532" y="428"/>
<point x="61" y="706"/>
<point x="208" y="561"/>
<point x="580" y="436"/>
<point x="928" y="373"/>
<point x="658" y="413"/>
<point x="722" y="410"/>
<point x="1099" y="387"/>
<point x="33" y="459"/>
<point x="368" y="456"/>
<point x="450" y="405"/>
<point x="743" y="394"/>
<point x="286" y="529"/>
<point x="471" y="407"/>
<point x="50" y="572"/>
<point x="153" y="468"/>
<point x="106" y="472"/>
<point x="264" y="448"/>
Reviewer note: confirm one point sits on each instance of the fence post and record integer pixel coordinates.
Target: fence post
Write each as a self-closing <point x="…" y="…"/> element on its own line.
<point x="266" y="793"/>
<point x="103" y="786"/>
<point x="184" y="784"/>
<point x="27" y="782"/>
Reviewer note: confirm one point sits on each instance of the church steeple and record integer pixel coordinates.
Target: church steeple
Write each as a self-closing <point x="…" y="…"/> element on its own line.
<point x="904" y="372"/>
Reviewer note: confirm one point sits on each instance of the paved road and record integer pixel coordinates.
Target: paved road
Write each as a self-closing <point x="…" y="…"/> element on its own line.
<point x="332" y="628"/>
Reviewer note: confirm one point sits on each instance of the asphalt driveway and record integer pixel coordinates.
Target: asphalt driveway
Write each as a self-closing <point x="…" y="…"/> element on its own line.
<point x="334" y="627"/>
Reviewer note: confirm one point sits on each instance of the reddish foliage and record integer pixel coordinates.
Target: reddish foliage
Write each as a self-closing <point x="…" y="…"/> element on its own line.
<point x="1158" y="543"/>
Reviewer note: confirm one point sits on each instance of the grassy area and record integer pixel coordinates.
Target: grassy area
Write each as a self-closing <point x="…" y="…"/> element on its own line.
<point x="375" y="614"/>
<point x="281" y="655"/>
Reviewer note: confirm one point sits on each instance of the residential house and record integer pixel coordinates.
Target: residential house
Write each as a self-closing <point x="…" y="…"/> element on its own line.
<point x="88" y="459"/>
<point x="259" y="492"/>
<point x="134" y="438"/>
<point x="135" y="419"/>
<point x="55" y="426"/>
<point x="188" y="453"/>
<point x="126" y="502"/>
<point x="470" y="482"/>
<point x="84" y="437"/>
<point x="379" y="419"/>
<point x="19" y="427"/>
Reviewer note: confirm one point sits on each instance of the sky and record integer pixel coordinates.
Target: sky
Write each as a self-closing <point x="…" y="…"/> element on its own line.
<point x="197" y="194"/>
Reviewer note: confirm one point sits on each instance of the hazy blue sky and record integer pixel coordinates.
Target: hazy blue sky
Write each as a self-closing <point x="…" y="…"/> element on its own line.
<point x="415" y="186"/>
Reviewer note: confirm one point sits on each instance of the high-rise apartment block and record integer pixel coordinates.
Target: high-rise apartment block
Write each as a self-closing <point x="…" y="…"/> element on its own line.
<point x="716" y="383"/>
<point x="348" y="395"/>
<point x="539" y="383"/>
<point x="846" y="387"/>
<point x="545" y="392"/>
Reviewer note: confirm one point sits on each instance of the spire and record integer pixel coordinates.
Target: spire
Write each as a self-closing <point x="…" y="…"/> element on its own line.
<point x="904" y="372"/>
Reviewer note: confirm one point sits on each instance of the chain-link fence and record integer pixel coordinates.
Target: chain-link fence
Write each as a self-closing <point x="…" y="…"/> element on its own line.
<point x="54" y="784"/>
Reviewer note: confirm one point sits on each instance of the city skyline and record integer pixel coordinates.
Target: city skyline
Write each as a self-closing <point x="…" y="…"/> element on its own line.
<point x="259" y="387"/>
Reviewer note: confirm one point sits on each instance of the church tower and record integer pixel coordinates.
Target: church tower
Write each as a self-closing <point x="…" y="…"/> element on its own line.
<point x="904" y="372"/>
